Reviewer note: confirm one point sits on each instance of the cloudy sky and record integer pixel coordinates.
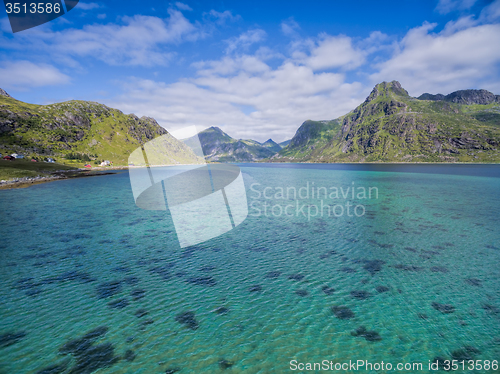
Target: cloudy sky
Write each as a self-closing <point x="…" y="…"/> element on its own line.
<point x="257" y="69"/>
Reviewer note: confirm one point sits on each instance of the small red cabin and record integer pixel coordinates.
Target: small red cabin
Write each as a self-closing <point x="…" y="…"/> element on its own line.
<point x="9" y="158"/>
<point x="88" y="166"/>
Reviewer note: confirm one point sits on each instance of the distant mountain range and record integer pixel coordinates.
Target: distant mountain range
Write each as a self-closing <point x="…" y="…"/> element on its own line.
<point x="81" y="130"/>
<point x="218" y="146"/>
<point x="391" y="126"/>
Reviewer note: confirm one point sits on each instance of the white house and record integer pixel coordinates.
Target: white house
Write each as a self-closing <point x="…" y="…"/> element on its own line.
<point x="15" y="155"/>
<point x="50" y="159"/>
<point x="105" y="163"/>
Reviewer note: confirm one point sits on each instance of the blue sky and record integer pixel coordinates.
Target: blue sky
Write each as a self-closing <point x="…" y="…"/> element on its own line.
<point x="256" y="69"/>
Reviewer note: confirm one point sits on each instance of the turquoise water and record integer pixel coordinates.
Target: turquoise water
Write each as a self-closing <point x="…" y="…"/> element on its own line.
<point x="420" y="269"/>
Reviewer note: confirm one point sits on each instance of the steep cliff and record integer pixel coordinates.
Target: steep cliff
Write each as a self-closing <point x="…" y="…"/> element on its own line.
<point x="391" y="126"/>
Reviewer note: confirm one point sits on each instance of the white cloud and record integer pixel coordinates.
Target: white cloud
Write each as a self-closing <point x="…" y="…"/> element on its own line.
<point x="87" y="6"/>
<point x="290" y="27"/>
<point x="248" y="97"/>
<point x="183" y="6"/>
<point x="221" y="17"/>
<point x="329" y="52"/>
<point x="491" y="13"/>
<point x="461" y="24"/>
<point x="21" y="75"/>
<point x="447" y="6"/>
<point x="280" y="98"/>
<point x="245" y="40"/>
<point x="444" y="62"/>
<point x="138" y="40"/>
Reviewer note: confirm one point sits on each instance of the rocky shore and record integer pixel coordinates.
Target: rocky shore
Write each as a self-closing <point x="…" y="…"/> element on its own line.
<point x="58" y="175"/>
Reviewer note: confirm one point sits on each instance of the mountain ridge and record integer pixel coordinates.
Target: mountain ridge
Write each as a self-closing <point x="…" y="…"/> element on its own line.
<point x="392" y="126"/>
<point x="467" y="97"/>
<point x="84" y="130"/>
<point x="217" y="146"/>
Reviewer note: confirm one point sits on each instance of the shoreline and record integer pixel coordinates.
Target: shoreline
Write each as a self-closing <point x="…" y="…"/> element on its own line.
<point x="25" y="182"/>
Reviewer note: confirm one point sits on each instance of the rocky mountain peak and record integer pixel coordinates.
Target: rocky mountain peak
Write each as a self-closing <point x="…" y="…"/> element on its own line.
<point x="467" y="97"/>
<point x="270" y="141"/>
<point x="271" y="144"/>
<point x="428" y="96"/>
<point x="387" y="89"/>
<point x="4" y="93"/>
<point x="215" y="129"/>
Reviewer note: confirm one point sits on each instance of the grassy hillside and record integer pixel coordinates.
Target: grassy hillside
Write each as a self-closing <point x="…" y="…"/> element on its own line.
<point x="25" y="168"/>
<point x="310" y="140"/>
<point x="78" y="132"/>
<point x="391" y="126"/>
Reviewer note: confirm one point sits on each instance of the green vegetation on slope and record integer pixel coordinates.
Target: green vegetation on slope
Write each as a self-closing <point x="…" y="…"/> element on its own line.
<point x="25" y="168"/>
<point x="75" y="131"/>
<point x="391" y="126"/>
<point x="218" y="146"/>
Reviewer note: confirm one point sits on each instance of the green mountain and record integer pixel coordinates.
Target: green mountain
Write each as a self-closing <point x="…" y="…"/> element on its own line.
<point x="468" y="97"/>
<point x="218" y="146"/>
<point x="391" y="126"/>
<point x="285" y="143"/>
<point x="272" y="145"/>
<point x="80" y="130"/>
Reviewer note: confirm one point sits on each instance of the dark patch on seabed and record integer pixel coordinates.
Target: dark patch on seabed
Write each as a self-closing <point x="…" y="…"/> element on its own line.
<point x="11" y="338"/>
<point x="137" y="294"/>
<point x="302" y="293"/>
<point x="465" y="353"/>
<point x="83" y="343"/>
<point x="369" y="335"/>
<point x="273" y="274"/>
<point x="381" y="289"/>
<point x="474" y="282"/>
<point x="141" y="313"/>
<point x="172" y="370"/>
<point x="408" y="267"/>
<point x="118" y="304"/>
<point x="88" y="356"/>
<point x="373" y="266"/>
<point x="59" y="368"/>
<point x="327" y="290"/>
<point x="361" y="294"/>
<point x="222" y="310"/>
<point x="129" y="355"/>
<point x="225" y="364"/>
<point x="255" y="288"/>
<point x="131" y="280"/>
<point x="108" y="289"/>
<point x="343" y="312"/>
<point x="33" y="288"/>
<point x="202" y="281"/>
<point x="443" y="308"/>
<point x="188" y="319"/>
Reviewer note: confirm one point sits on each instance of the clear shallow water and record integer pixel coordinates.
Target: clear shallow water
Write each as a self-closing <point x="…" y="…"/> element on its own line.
<point x="76" y="253"/>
